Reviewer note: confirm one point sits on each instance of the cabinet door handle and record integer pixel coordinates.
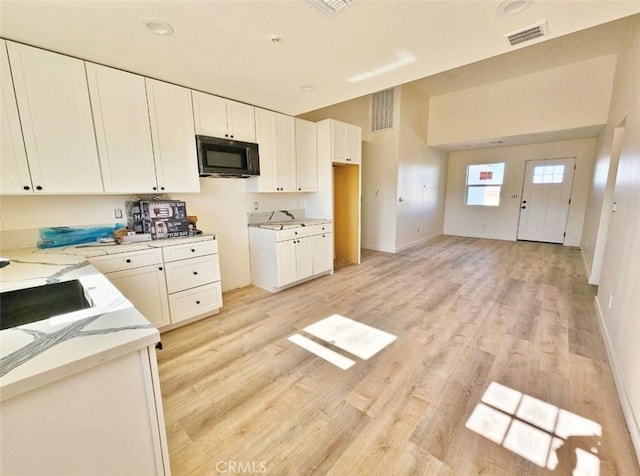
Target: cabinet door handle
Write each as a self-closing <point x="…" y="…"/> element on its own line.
<point x="195" y="273"/>
<point x="161" y="188"/>
<point x="39" y="187"/>
<point x="155" y="188"/>
<point x="197" y="302"/>
<point x="128" y="260"/>
<point x="160" y="268"/>
<point x="192" y="250"/>
<point x="26" y="187"/>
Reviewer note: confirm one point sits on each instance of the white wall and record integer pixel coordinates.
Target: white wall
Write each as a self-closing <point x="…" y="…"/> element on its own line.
<point x="502" y="222"/>
<point x="396" y="163"/>
<point x="620" y="276"/>
<point x="421" y="174"/>
<point x="567" y="97"/>
<point x="379" y="172"/>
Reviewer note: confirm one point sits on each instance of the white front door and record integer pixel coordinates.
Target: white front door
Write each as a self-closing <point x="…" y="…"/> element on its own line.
<point x="545" y="200"/>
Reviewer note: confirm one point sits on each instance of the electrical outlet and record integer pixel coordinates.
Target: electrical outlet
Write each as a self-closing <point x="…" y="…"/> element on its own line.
<point x="118" y="212"/>
<point x="255" y="205"/>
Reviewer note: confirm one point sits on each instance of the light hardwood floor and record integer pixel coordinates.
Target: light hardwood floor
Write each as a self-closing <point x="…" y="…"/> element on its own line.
<point x="239" y="396"/>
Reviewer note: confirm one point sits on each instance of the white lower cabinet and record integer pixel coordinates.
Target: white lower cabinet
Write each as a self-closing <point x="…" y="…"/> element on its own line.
<point x="107" y="419"/>
<point x="168" y="284"/>
<point x="193" y="280"/>
<point x="146" y="288"/>
<point x="280" y="259"/>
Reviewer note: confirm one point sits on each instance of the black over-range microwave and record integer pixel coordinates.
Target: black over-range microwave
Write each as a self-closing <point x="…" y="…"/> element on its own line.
<point x="219" y="157"/>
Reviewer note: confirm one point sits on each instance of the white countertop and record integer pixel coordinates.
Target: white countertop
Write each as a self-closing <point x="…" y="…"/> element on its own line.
<point x="42" y="352"/>
<point x="288" y="224"/>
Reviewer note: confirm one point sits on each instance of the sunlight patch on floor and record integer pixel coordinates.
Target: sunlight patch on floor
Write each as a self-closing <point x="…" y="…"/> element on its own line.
<point x="536" y="430"/>
<point x="348" y="335"/>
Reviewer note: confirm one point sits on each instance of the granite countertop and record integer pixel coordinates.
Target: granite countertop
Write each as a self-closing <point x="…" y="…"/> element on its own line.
<point x="36" y="354"/>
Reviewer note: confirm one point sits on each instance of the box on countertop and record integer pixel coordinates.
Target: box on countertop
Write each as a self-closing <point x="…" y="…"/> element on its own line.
<point x="162" y="219"/>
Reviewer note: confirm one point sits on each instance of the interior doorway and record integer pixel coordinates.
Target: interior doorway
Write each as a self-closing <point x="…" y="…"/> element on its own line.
<point x="546" y="196"/>
<point x="346" y="213"/>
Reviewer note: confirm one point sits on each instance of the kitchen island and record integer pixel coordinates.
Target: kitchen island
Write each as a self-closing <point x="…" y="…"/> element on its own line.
<point x="79" y="391"/>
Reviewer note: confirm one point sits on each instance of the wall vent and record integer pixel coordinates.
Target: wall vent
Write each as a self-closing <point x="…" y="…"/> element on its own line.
<point x="382" y="104"/>
<point x="330" y="8"/>
<point x="527" y="33"/>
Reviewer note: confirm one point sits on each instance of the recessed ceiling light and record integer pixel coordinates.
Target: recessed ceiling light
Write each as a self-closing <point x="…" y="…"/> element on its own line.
<point x="510" y="7"/>
<point x="158" y="27"/>
<point x="308" y="87"/>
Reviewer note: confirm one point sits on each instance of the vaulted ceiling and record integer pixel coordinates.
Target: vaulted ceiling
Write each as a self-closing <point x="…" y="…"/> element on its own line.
<point x="226" y="47"/>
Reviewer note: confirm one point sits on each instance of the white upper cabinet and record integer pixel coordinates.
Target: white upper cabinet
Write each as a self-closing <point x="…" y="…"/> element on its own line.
<point x="121" y="118"/>
<point x="53" y="103"/>
<point x="306" y="156"/>
<point x="275" y="134"/>
<point x="173" y="137"/>
<point x="14" y="176"/>
<point x="218" y="117"/>
<point x="346" y="142"/>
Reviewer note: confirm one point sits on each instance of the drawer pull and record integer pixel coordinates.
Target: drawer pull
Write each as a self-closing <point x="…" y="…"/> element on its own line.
<point x="197" y="302"/>
<point x="128" y="260"/>
<point x="160" y="268"/>
<point x="195" y="272"/>
<point x="193" y="250"/>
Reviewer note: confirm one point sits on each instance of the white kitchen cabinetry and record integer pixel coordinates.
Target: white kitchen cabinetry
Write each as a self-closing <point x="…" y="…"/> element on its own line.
<point x="173" y="137"/>
<point x="193" y="282"/>
<point x="107" y="419"/>
<point x="121" y="118"/>
<point x="145" y="133"/>
<point x="322" y="253"/>
<point x="15" y="176"/>
<point x="218" y="117"/>
<point x="306" y="156"/>
<point x="53" y="103"/>
<point x="139" y="276"/>
<point x="282" y="258"/>
<point x="275" y="134"/>
<point x="346" y="141"/>
<point x="169" y="284"/>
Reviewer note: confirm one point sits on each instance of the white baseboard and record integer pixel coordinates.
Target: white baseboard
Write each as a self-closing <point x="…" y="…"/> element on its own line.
<point x="587" y="270"/>
<point x="623" y="397"/>
<point x="418" y="242"/>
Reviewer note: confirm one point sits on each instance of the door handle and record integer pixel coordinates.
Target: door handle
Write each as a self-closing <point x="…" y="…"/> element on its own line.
<point x="523" y="207"/>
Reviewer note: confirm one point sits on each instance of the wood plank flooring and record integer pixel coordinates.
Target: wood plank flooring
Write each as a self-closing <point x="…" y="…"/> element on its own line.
<point x="240" y="398"/>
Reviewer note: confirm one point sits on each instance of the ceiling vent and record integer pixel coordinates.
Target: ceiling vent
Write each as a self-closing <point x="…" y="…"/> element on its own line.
<point x="382" y="104"/>
<point x="527" y="33"/>
<point x="330" y="8"/>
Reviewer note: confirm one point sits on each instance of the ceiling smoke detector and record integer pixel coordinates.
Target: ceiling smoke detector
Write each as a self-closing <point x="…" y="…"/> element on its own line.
<point x="528" y="33"/>
<point x="159" y="27"/>
<point x="330" y="8"/>
<point x="511" y="7"/>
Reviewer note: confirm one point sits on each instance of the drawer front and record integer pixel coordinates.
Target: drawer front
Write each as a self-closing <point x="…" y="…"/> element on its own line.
<point x="193" y="302"/>
<point x="192" y="250"/>
<point x="321" y="229"/>
<point x="292" y="233"/>
<point x="189" y="273"/>
<point x="129" y="260"/>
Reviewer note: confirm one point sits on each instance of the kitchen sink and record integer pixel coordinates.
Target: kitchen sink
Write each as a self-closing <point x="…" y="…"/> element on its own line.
<point x="24" y="306"/>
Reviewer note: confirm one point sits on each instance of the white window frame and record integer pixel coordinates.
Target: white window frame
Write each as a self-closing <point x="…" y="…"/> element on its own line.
<point x="492" y="182"/>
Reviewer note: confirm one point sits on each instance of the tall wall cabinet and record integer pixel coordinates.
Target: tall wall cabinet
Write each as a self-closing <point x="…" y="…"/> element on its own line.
<point x="339" y="185"/>
<point x="145" y="132"/>
<point x="52" y="100"/>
